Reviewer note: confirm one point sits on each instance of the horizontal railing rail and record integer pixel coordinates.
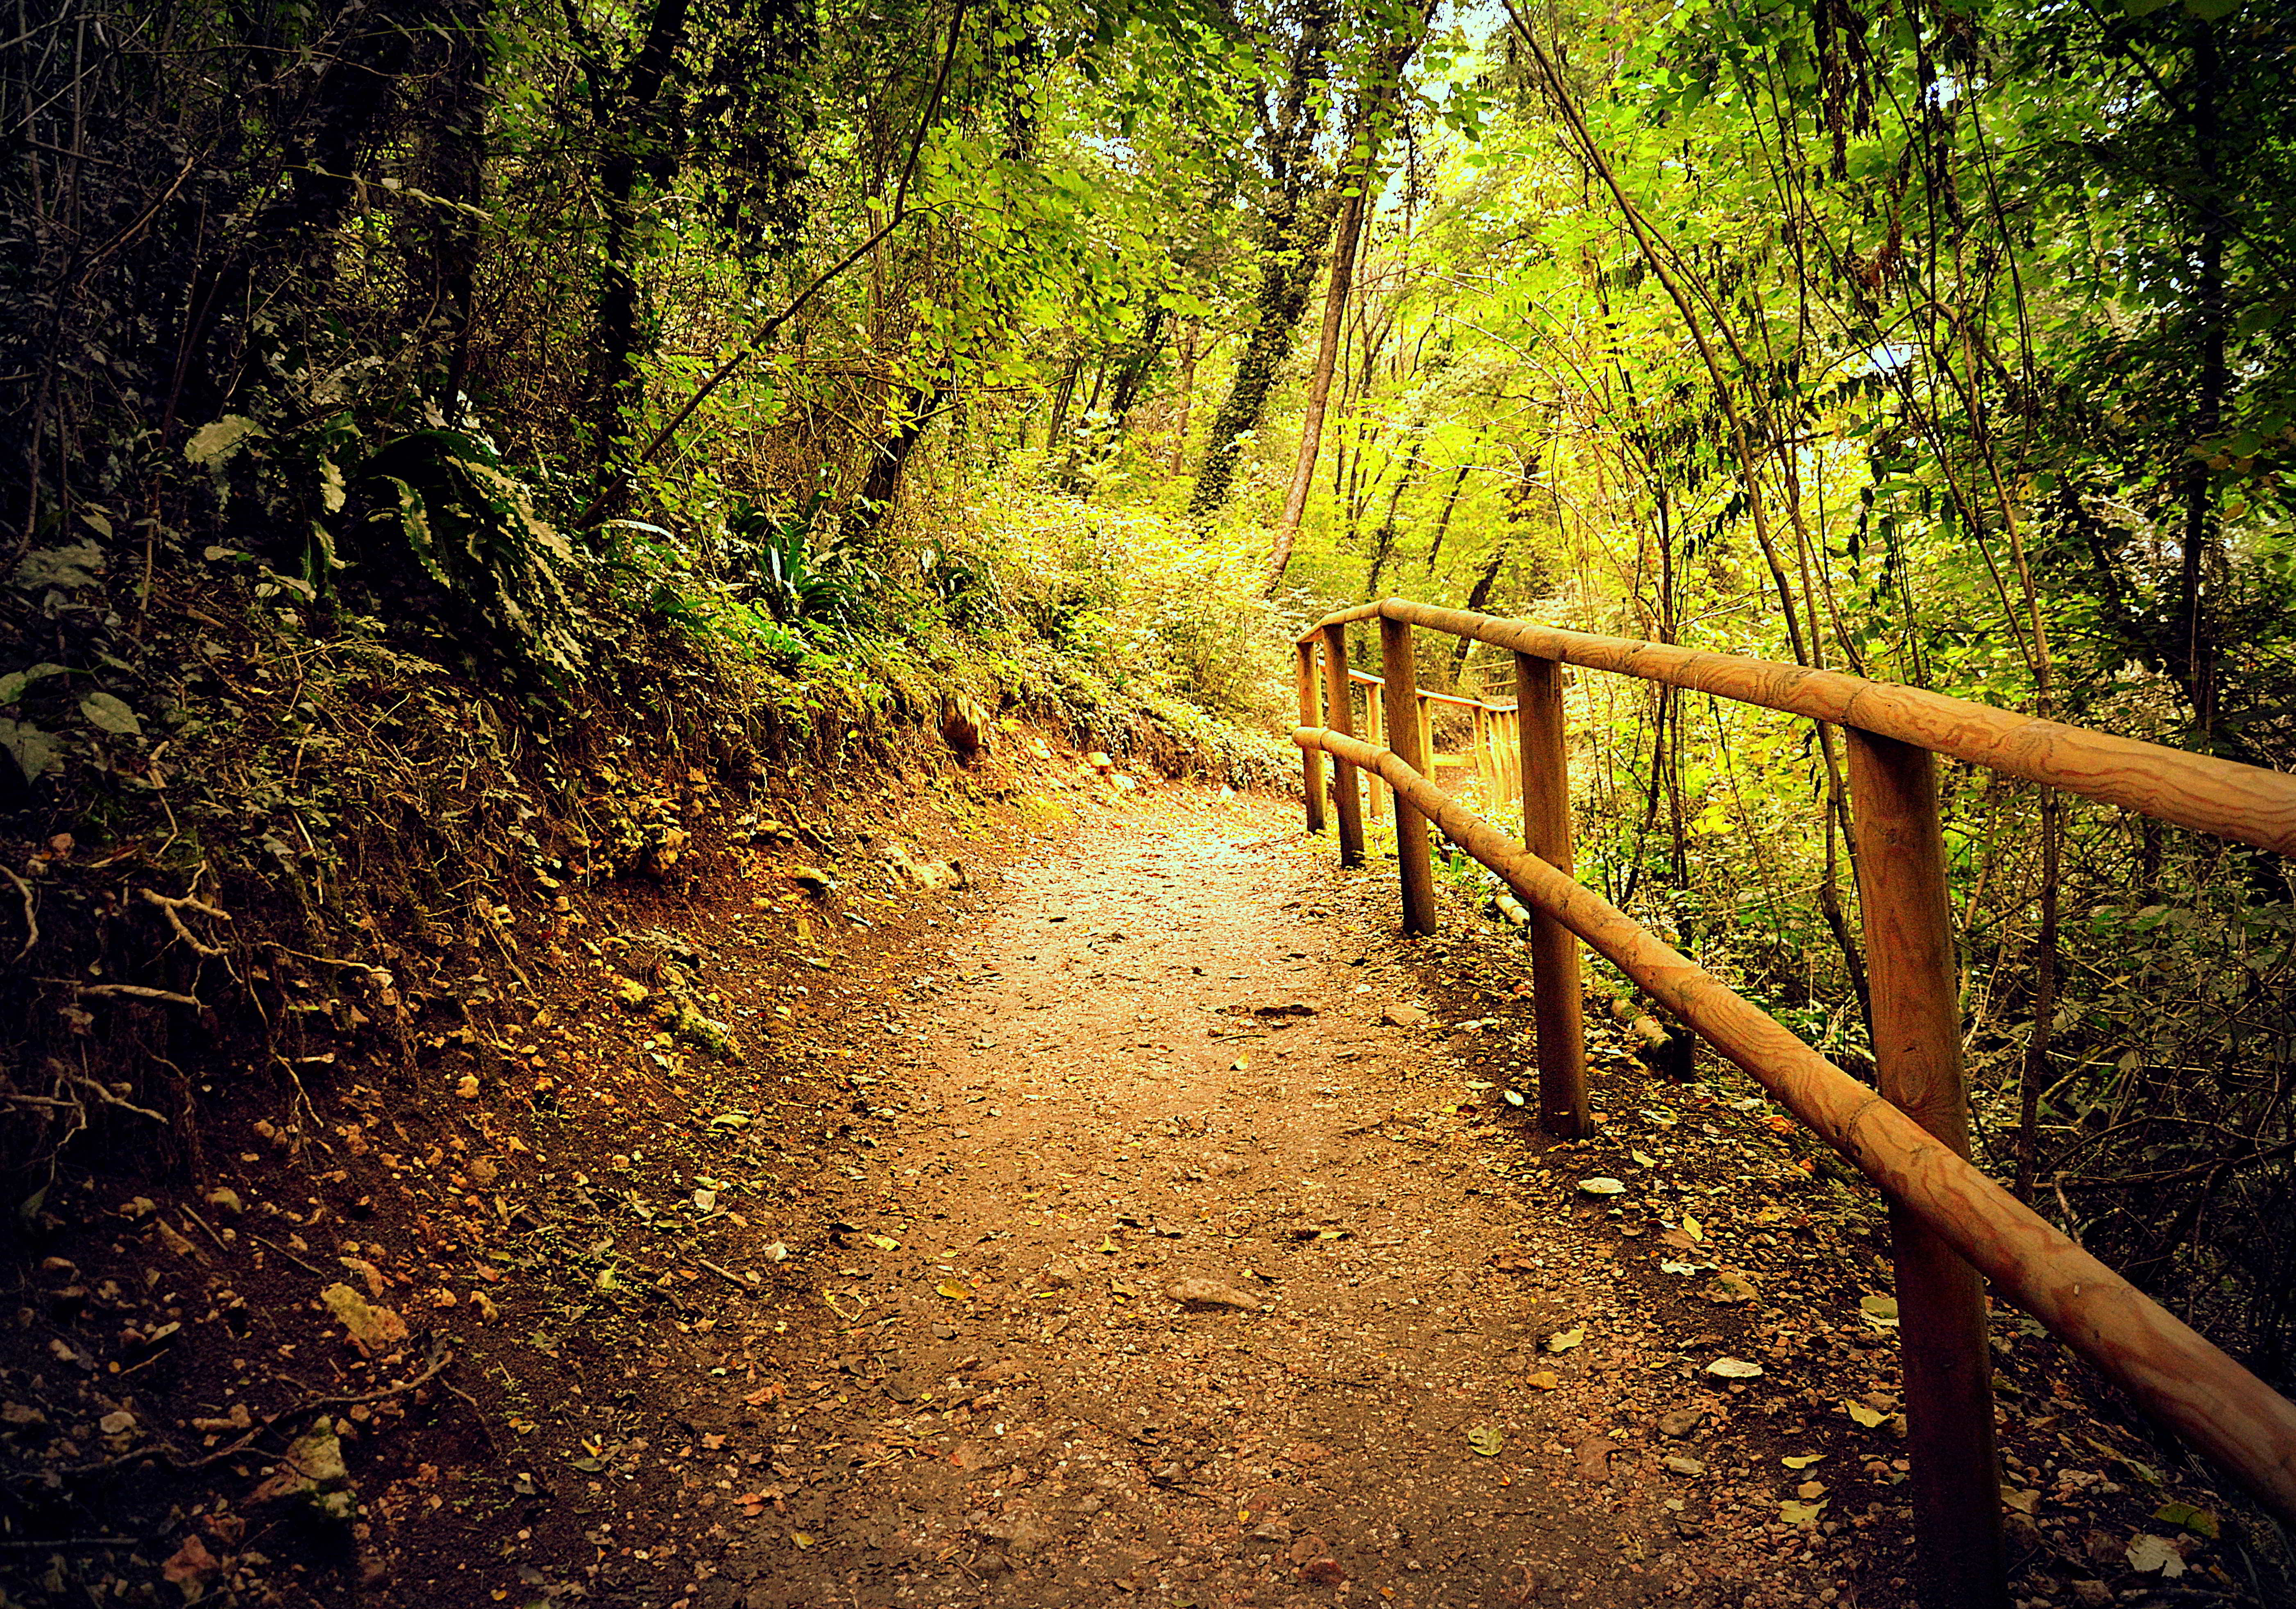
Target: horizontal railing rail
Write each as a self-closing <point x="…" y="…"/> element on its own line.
<point x="1950" y="1223"/>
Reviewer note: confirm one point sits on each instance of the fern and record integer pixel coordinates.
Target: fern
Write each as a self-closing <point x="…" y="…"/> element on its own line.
<point x="471" y="529"/>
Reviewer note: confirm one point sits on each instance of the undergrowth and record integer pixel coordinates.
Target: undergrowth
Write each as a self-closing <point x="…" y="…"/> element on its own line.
<point x="269" y="801"/>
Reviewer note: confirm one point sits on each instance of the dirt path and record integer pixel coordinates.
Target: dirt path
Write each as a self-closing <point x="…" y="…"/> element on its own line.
<point x="1145" y="1224"/>
<point x="1161" y="1058"/>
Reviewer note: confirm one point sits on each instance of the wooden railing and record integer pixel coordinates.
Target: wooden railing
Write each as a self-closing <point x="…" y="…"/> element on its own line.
<point x="1951" y="1226"/>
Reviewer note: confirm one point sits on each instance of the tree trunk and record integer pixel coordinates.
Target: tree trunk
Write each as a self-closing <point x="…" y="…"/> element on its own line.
<point x="1458" y="484"/>
<point x="1345" y="233"/>
<point x="2194" y="657"/>
<point x="1062" y="396"/>
<point x="1382" y="545"/>
<point x="1291" y="239"/>
<point x="874" y="501"/>
<point x="633" y="149"/>
<point x="1188" y="332"/>
<point x="442" y="272"/>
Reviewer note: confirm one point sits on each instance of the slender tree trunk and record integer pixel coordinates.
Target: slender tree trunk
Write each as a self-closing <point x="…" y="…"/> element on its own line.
<point x="1477" y="596"/>
<point x="1443" y="524"/>
<point x="2196" y="654"/>
<point x="1346" y="231"/>
<point x="1188" y="383"/>
<point x="1382" y="546"/>
<point x="1291" y="239"/>
<point x="1062" y="394"/>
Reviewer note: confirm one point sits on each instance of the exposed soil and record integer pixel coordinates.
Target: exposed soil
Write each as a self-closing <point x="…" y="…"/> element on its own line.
<point x="1141" y="1223"/>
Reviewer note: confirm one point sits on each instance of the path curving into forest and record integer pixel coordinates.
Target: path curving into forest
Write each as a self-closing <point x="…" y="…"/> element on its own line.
<point x="1176" y="1058"/>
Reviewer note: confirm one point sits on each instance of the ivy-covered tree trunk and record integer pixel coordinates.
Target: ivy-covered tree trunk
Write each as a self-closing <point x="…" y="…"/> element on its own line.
<point x="442" y="272"/>
<point x="1291" y="239"/>
<point x="636" y="134"/>
<point x="890" y="456"/>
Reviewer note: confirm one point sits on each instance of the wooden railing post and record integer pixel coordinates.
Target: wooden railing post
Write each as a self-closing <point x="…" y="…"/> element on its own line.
<point x="1483" y="741"/>
<point x="1901" y="882"/>
<point x="1339" y="705"/>
<point x="1557" y="1006"/>
<point x="1311" y="760"/>
<point x="1375" y="727"/>
<point x="1407" y="735"/>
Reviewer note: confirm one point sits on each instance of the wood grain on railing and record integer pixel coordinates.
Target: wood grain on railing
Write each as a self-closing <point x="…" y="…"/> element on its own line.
<point x="2244" y="803"/>
<point x="2174" y="1372"/>
<point x="1948" y="1220"/>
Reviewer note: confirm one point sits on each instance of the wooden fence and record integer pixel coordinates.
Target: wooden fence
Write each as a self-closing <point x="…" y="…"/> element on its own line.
<point x="1952" y="1228"/>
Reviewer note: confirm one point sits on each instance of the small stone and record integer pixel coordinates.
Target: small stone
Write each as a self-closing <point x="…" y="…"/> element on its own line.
<point x="1323" y="1572"/>
<point x="1211" y="1292"/>
<point x="1729" y="1288"/>
<point x="1684" y="1466"/>
<point x="1272" y="1531"/>
<point x="1058" y="1275"/>
<point x="2091" y="1595"/>
<point x="1403" y="1017"/>
<point x="1680" y="1422"/>
<point x="117" y="1423"/>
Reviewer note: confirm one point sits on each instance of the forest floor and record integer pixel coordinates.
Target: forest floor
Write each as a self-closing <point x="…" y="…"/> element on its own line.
<point x="1141" y="1222"/>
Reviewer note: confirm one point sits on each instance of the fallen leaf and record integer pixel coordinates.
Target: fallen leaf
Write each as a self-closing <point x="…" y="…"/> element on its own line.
<point x="2155" y="1556"/>
<point x="191" y="1563"/>
<point x="1880" y="1312"/>
<point x="2199" y="1522"/>
<point x="1545" y="1379"/>
<point x="1799" y="1514"/>
<point x="1801" y="1460"/>
<point x="1734" y="1368"/>
<point x="1811" y="1489"/>
<point x="883" y="1243"/>
<point x="953" y="1291"/>
<point x="1486" y="1441"/>
<point x="1870" y="1417"/>
<point x="1599" y="1186"/>
<point x="1692" y="1227"/>
<point x="2021" y="1501"/>
<point x="373" y="1329"/>
<point x="1648" y="1162"/>
<point x="1565" y="1340"/>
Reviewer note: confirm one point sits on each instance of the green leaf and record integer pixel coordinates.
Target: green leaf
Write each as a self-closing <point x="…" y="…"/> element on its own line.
<point x="212" y="444"/>
<point x="1486" y="1440"/>
<point x="13" y="684"/>
<point x="2199" y="1522"/>
<point x="107" y="714"/>
<point x="34" y="751"/>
